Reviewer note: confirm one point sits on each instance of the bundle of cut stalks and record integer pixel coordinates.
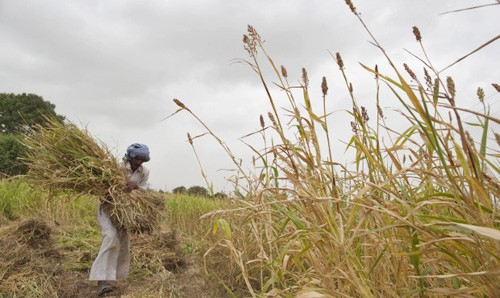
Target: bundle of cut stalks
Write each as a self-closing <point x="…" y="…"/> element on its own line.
<point x="63" y="157"/>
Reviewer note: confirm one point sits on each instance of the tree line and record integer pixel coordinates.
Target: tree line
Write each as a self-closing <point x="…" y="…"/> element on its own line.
<point x="197" y="191"/>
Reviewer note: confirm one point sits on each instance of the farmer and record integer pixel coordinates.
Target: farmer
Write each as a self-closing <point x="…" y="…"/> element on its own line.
<point x="113" y="260"/>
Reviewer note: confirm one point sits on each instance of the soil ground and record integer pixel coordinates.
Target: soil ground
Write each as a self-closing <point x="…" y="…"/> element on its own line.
<point x="188" y="283"/>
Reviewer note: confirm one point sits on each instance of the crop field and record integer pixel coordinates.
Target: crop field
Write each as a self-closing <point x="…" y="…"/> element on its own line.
<point x="415" y="213"/>
<point x="49" y="243"/>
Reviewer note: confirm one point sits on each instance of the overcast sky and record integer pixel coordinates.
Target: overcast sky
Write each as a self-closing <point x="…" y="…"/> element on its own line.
<point x="115" y="65"/>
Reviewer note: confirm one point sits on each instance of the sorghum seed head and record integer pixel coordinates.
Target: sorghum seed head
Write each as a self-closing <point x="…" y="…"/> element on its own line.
<point x="190" y="139"/>
<point x="249" y="45"/>
<point x="376" y="71"/>
<point x="380" y="112"/>
<point x="497" y="137"/>
<point x="324" y="86"/>
<point x="409" y="71"/>
<point x="354" y="127"/>
<point x="435" y="89"/>
<point x="451" y="86"/>
<point x="284" y="73"/>
<point x="469" y="138"/>
<point x="351" y="89"/>
<point x="351" y="6"/>
<point x="428" y="80"/>
<point x="262" y="124"/>
<point x="305" y="78"/>
<point x="480" y="94"/>
<point x="364" y="114"/>
<point x="496" y="86"/>
<point x="416" y="32"/>
<point x="251" y="40"/>
<point x="253" y="33"/>
<point x="271" y="117"/>
<point x="340" y="62"/>
<point x="179" y="103"/>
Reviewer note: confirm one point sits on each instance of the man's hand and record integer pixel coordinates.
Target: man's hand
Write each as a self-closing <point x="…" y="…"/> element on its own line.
<point x="131" y="185"/>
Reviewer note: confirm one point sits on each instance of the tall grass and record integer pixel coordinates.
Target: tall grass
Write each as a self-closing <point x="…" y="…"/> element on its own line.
<point x="20" y="200"/>
<point x="185" y="212"/>
<point x="417" y="215"/>
<point x="16" y="197"/>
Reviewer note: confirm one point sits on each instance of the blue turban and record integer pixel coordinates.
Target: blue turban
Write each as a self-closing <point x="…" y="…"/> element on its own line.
<point x="137" y="149"/>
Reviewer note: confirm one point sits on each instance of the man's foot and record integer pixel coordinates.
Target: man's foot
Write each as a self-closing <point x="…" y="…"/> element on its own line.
<point x="103" y="288"/>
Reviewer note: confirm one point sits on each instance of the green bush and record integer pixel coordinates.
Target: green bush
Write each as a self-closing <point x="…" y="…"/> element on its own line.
<point x="10" y="152"/>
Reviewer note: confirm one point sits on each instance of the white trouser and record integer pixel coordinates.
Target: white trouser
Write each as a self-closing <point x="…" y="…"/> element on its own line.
<point x="113" y="260"/>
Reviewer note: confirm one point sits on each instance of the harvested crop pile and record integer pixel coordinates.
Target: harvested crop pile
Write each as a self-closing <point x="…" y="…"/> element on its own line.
<point x="158" y="251"/>
<point x="28" y="260"/>
<point x="63" y="157"/>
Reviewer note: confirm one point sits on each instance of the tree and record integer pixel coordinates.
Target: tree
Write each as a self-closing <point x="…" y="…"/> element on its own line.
<point x="10" y="152"/>
<point x="179" y="190"/>
<point x="17" y="111"/>
<point x="197" y="191"/>
<point x="220" y="195"/>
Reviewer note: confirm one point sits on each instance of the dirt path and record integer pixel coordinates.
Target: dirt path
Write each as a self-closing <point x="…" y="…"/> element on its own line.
<point x="189" y="282"/>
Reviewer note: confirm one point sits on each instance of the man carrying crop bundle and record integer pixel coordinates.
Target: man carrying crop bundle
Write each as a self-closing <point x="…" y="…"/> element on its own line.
<point x="113" y="260"/>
